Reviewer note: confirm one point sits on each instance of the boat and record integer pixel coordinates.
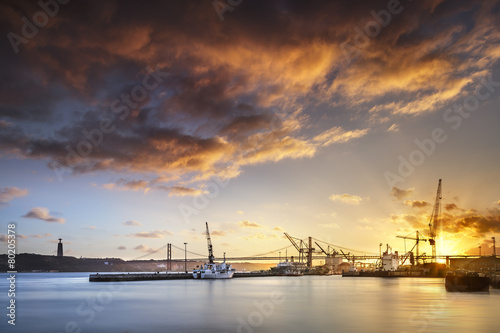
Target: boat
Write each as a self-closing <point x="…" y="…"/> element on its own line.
<point x="211" y="270"/>
<point x="287" y="268"/>
<point x="466" y="282"/>
<point x="214" y="271"/>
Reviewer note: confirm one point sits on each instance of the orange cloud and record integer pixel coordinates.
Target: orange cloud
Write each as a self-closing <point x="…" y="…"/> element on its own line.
<point x="417" y="203"/>
<point x="218" y="233"/>
<point x="248" y="224"/>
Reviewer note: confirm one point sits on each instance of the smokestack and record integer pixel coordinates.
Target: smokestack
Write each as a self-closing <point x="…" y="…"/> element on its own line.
<point x="60" y="248"/>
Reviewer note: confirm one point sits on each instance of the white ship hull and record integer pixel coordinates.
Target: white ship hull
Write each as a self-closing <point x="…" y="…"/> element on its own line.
<point x="213" y="271"/>
<point x="208" y="274"/>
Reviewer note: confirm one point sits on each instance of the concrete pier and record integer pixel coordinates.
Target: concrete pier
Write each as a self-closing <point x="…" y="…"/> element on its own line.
<point x="160" y="276"/>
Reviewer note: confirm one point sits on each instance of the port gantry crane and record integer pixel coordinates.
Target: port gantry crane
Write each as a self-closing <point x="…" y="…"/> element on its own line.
<point x="417" y="240"/>
<point x="303" y="249"/>
<point x="210" y="250"/>
<point x="333" y="253"/>
<point x="435" y="222"/>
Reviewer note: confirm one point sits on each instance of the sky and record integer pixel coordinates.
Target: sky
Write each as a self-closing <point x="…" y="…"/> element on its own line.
<point x="127" y="125"/>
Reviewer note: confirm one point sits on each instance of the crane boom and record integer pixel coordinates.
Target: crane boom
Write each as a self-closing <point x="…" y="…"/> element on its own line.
<point x="210" y="250"/>
<point x="322" y="249"/>
<point x="345" y="255"/>
<point x="418" y="239"/>
<point x="293" y="242"/>
<point x="435" y="221"/>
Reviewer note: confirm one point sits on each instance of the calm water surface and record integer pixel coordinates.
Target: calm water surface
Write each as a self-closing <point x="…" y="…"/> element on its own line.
<point x="67" y="302"/>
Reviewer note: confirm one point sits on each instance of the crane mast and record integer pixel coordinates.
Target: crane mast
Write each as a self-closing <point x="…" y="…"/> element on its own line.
<point x="435" y="221"/>
<point x="210" y="251"/>
<point x="303" y="250"/>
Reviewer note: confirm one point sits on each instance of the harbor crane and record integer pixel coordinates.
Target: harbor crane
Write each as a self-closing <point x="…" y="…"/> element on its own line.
<point x="328" y="253"/>
<point x="418" y="238"/>
<point x="210" y="250"/>
<point x="435" y="222"/>
<point x="305" y="251"/>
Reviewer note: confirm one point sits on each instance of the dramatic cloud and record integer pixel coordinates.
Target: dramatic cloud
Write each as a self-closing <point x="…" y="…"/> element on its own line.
<point x="143" y="185"/>
<point x="451" y="206"/>
<point x="338" y="135"/>
<point x="346" y="198"/>
<point x="278" y="229"/>
<point x="176" y="101"/>
<point x="470" y="223"/>
<point x="486" y="248"/>
<point x="181" y="191"/>
<point x="248" y="224"/>
<point x="401" y="194"/>
<point x="8" y="194"/>
<point x="393" y="128"/>
<point x="41" y="213"/>
<point x="121" y="247"/>
<point x="133" y="223"/>
<point x="417" y="203"/>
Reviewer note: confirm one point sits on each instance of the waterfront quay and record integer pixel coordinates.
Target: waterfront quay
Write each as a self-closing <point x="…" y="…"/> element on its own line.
<point x="161" y="276"/>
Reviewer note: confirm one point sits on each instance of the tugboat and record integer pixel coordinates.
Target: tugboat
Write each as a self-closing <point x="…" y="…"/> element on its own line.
<point x="466" y="282"/>
<point x="211" y="270"/>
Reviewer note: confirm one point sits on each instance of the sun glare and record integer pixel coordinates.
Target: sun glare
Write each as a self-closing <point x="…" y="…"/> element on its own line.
<point x="448" y="247"/>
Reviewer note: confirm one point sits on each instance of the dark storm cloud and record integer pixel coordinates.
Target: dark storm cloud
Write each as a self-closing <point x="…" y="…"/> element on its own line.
<point x="212" y="111"/>
<point x="472" y="221"/>
<point x="469" y="223"/>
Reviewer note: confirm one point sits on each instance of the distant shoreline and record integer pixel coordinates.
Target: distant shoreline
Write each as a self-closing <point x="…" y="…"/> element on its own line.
<point x="38" y="263"/>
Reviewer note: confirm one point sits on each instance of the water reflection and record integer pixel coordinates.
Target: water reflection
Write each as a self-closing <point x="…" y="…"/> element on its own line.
<point x="55" y="302"/>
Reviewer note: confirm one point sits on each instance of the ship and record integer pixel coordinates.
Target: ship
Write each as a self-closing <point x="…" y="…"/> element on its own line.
<point x="466" y="282"/>
<point x="287" y="268"/>
<point x="211" y="270"/>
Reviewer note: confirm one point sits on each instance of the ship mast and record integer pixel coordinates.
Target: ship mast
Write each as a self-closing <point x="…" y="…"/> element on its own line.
<point x="434" y="222"/>
<point x="210" y="251"/>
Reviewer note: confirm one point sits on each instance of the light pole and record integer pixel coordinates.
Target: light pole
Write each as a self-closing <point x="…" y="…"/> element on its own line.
<point x="479" y="250"/>
<point x="185" y="257"/>
<point x="494" y="247"/>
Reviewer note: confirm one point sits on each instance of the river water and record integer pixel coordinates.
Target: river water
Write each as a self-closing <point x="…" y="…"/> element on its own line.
<point x="67" y="302"/>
